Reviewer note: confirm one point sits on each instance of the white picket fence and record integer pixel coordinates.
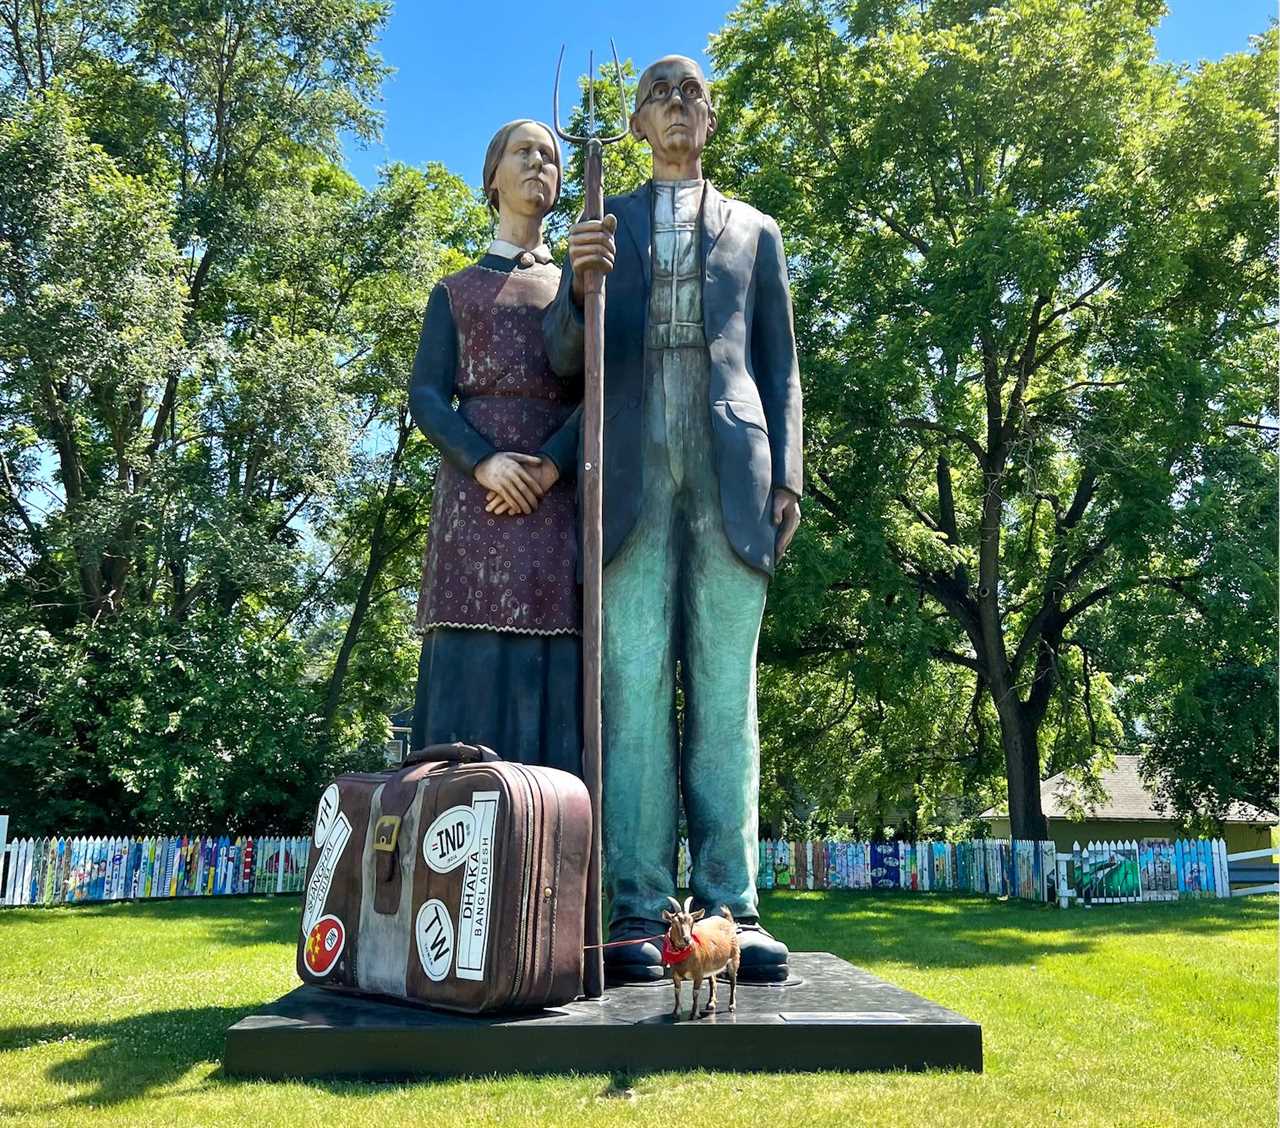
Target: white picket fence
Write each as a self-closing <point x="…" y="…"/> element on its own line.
<point x="67" y="870"/>
<point x="1099" y="873"/>
<point x="1000" y="867"/>
<point x="1156" y="869"/>
<point x="75" y="870"/>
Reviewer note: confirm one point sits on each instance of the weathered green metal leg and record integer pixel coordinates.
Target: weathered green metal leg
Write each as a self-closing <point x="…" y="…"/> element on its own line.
<point x="723" y="602"/>
<point x="638" y="687"/>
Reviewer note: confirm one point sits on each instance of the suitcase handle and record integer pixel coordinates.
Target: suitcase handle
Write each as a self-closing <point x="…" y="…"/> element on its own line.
<point x="452" y="754"/>
<point x="397" y="794"/>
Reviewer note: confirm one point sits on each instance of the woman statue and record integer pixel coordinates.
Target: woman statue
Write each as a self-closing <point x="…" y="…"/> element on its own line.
<point x="499" y="607"/>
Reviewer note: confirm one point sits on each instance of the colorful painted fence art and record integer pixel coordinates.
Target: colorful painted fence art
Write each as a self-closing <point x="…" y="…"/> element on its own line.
<point x="1155" y="869"/>
<point x="69" y="871"/>
<point x="998" y="867"/>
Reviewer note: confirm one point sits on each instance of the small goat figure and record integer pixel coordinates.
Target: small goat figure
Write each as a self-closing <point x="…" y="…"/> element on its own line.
<point x="700" y="949"/>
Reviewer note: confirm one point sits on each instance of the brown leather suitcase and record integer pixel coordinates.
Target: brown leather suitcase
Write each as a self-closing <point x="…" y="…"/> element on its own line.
<point x="458" y="881"/>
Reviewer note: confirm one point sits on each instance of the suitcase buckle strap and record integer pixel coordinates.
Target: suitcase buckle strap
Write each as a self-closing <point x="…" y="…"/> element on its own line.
<point x="385" y="833"/>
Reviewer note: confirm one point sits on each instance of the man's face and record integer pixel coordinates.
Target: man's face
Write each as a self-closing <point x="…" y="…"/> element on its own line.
<point x="526" y="177"/>
<point x="675" y="117"/>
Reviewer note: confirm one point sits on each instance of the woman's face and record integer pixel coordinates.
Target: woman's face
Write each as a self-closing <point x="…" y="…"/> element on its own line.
<point x="526" y="178"/>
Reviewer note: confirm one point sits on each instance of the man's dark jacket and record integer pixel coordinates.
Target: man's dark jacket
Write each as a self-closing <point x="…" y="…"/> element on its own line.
<point x="754" y="396"/>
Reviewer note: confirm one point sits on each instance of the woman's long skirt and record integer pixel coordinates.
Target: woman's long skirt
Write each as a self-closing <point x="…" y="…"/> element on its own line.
<point x="519" y="694"/>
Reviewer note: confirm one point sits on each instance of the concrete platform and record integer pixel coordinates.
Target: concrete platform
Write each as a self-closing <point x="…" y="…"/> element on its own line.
<point x="836" y="1017"/>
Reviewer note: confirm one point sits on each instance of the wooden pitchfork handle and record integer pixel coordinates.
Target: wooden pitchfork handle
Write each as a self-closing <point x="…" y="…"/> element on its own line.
<point x="592" y="504"/>
<point x="592" y="566"/>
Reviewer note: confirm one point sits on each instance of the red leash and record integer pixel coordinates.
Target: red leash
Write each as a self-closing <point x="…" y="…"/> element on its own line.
<point x="670" y="955"/>
<point x="619" y="943"/>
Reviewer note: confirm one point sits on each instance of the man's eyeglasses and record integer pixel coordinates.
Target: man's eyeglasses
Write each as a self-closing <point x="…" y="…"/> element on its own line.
<point x="661" y="91"/>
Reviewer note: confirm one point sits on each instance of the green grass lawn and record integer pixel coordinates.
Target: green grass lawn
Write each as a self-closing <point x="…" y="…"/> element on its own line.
<point x="1162" y="1014"/>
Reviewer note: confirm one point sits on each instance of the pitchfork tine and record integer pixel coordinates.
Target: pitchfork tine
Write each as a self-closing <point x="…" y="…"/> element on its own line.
<point x="591" y="100"/>
<point x="591" y="93"/>
<point x="622" y="93"/>
<point x="555" y="105"/>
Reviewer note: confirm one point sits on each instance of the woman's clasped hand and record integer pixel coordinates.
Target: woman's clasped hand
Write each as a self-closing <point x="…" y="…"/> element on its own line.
<point x="516" y="482"/>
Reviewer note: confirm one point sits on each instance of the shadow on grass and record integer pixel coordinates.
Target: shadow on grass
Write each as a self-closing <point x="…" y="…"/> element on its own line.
<point x="123" y="1059"/>
<point x="225" y="920"/>
<point x="953" y="930"/>
<point x="130" y="1058"/>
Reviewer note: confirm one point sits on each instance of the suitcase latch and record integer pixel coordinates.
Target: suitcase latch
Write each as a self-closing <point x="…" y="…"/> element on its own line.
<point x="385" y="833"/>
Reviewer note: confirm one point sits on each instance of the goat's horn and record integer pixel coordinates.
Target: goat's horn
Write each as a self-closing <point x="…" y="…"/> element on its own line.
<point x="674" y="903"/>
<point x="688" y="902"/>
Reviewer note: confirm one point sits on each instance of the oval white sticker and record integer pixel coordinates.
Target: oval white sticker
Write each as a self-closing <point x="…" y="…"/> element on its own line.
<point x="326" y="812"/>
<point x="449" y="839"/>
<point x="434" y="933"/>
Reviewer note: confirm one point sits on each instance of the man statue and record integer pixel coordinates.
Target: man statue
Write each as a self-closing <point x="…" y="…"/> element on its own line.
<point x="702" y="479"/>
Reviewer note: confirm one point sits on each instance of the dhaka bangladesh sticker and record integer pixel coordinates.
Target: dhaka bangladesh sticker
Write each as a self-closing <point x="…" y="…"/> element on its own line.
<point x="325" y="942"/>
<point x="477" y="882"/>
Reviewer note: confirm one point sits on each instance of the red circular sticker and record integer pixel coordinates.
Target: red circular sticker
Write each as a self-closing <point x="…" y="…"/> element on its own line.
<point x="325" y="942"/>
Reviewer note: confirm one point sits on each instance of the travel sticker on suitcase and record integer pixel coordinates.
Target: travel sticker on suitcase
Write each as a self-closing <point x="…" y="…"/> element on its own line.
<point x="333" y="831"/>
<point x="461" y="835"/>
<point x="458" y="881"/>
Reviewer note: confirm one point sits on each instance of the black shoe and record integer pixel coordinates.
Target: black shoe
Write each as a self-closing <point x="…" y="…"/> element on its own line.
<point x="764" y="959"/>
<point x="634" y="963"/>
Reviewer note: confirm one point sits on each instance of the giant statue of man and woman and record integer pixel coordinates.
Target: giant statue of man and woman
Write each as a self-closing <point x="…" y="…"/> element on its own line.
<point x="702" y="480"/>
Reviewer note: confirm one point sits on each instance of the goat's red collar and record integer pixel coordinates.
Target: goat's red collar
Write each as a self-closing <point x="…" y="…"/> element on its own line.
<point x="672" y="955"/>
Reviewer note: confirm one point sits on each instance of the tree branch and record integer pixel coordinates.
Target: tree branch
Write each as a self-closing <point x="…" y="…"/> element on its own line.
<point x="1173" y="583"/>
<point x="951" y="656"/>
<point x="951" y="433"/>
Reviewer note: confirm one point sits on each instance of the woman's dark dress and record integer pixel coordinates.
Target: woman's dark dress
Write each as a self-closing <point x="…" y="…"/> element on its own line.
<point x="499" y="608"/>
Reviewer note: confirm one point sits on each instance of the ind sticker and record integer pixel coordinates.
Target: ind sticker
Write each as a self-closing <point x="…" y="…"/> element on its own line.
<point x="339" y="830"/>
<point x="449" y="839"/>
<point x="477" y="882"/>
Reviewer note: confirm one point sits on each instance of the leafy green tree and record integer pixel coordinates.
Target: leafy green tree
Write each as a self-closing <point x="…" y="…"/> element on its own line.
<point x="205" y="334"/>
<point x="1034" y="282"/>
<point x="201" y="109"/>
<point x="159" y="725"/>
<point x="1202" y="712"/>
<point x="385" y="519"/>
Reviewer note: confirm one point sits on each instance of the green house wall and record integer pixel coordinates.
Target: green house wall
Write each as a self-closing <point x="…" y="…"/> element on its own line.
<point x="1239" y="836"/>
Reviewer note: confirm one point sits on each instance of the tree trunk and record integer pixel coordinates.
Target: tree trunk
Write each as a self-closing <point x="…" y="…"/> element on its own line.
<point x="1022" y="770"/>
<point x="378" y="557"/>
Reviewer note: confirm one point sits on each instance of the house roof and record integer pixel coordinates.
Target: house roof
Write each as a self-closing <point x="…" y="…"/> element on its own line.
<point x="1128" y="799"/>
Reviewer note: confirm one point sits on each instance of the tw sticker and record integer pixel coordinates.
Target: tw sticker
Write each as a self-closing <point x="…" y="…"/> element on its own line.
<point x="433" y="931"/>
<point x="326" y="812"/>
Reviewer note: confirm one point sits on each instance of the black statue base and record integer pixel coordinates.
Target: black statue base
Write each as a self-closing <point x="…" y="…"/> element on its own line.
<point x="837" y="1017"/>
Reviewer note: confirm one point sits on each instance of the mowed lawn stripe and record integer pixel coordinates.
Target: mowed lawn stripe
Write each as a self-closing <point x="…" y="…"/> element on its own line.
<point x="1147" y="1014"/>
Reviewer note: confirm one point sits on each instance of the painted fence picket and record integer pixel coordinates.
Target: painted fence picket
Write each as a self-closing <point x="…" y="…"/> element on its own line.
<point x="1219" y="847"/>
<point x="56" y="870"/>
<point x="19" y="869"/>
<point x="1200" y="857"/>
<point x="65" y="870"/>
<point x="35" y="867"/>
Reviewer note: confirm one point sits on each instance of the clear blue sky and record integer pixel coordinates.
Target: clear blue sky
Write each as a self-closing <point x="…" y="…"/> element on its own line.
<point x="464" y="69"/>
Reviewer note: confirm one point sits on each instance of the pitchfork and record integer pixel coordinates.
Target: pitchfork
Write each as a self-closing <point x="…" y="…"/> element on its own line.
<point x="592" y="494"/>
